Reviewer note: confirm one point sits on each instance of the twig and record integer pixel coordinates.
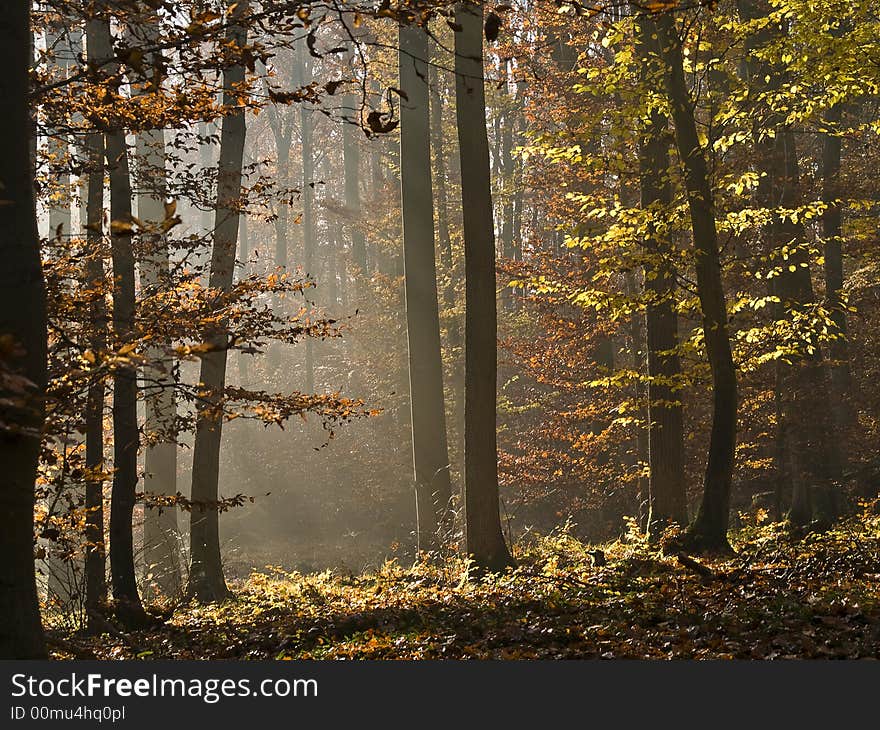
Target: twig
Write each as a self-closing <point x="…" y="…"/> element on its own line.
<point x="688" y="562"/>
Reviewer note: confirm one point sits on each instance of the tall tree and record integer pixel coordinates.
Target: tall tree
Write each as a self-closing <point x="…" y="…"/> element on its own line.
<point x="430" y="452"/>
<point x="95" y="560"/>
<point x="709" y="529"/>
<point x="438" y="82"/>
<point x="58" y="43"/>
<point x="832" y="227"/>
<point x="161" y="538"/>
<point x="23" y="338"/>
<point x="667" y="496"/>
<point x="126" y="436"/>
<point x="485" y="541"/>
<point x="303" y="74"/>
<point x="810" y="458"/>
<point x="206" y="580"/>
<point x="351" y="155"/>
<point x="807" y="405"/>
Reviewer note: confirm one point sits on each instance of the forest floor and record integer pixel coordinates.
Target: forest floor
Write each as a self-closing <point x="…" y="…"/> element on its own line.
<point x="780" y="597"/>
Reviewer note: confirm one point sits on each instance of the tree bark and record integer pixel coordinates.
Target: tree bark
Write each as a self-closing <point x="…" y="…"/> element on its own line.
<point x="808" y="453"/>
<point x="161" y="537"/>
<point x="840" y="370"/>
<point x="95" y="559"/>
<point x="351" y="153"/>
<point x="485" y="542"/>
<point x="126" y="437"/>
<point x="206" y="581"/>
<point x="807" y="405"/>
<point x="709" y="529"/>
<point x="60" y="203"/>
<point x="308" y="201"/>
<point x="667" y="496"/>
<point x="438" y="85"/>
<point x="23" y="323"/>
<point x="428" y="413"/>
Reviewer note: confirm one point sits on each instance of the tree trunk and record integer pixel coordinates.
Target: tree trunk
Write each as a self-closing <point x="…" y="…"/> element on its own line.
<point x="61" y="578"/>
<point x="485" y="542"/>
<point x="807" y="405"/>
<point x="438" y="85"/>
<point x="667" y="495"/>
<point x="160" y="456"/>
<point x="428" y="413"/>
<point x="282" y="134"/>
<point x="841" y="373"/>
<point x="808" y="454"/>
<point x="161" y="538"/>
<point x="351" y="153"/>
<point x="95" y="563"/>
<point x="23" y="320"/>
<point x="126" y="437"/>
<point x="60" y="202"/>
<point x="507" y="122"/>
<point x="709" y="529"/>
<point x="207" y="582"/>
<point x="308" y="201"/>
<point x="244" y="252"/>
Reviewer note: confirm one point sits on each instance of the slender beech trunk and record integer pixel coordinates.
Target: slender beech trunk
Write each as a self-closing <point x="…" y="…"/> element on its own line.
<point x="207" y="582"/>
<point x="438" y="83"/>
<point x="206" y="155"/>
<point x="709" y="529"/>
<point x="126" y="437"/>
<point x="308" y="201"/>
<point x="841" y="372"/>
<point x="282" y="229"/>
<point x="485" y="542"/>
<point x="428" y="413"/>
<point x="518" y="205"/>
<point x="807" y="444"/>
<point x="507" y="122"/>
<point x="59" y="209"/>
<point x="757" y="74"/>
<point x="95" y="562"/>
<point x="442" y="208"/>
<point x="639" y="455"/>
<point x="61" y="577"/>
<point x="23" y="319"/>
<point x="667" y="494"/>
<point x="244" y="252"/>
<point x="351" y="153"/>
<point x="160" y="456"/>
<point x="161" y="538"/>
<point x="807" y="405"/>
<point x="282" y="132"/>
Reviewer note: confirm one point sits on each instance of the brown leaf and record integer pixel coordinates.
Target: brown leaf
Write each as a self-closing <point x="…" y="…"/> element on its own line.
<point x="380" y="123"/>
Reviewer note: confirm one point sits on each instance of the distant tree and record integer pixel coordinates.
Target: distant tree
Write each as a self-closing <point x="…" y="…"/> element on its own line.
<point x="161" y="535"/>
<point x="95" y="558"/>
<point x="302" y="77"/>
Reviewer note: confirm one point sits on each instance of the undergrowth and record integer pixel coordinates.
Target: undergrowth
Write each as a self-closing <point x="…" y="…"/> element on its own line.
<point x="779" y="597"/>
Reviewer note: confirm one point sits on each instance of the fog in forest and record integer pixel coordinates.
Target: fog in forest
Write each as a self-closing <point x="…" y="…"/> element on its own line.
<point x="433" y="291"/>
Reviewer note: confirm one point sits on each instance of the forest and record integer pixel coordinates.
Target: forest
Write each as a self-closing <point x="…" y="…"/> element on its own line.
<point x="400" y="329"/>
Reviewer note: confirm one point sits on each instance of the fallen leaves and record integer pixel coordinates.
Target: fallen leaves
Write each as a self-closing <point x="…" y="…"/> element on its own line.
<point x="777" y="598"/>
